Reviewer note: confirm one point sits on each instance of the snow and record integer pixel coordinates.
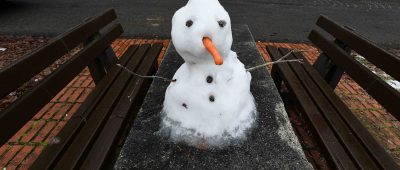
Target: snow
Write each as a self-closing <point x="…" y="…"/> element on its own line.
<point x="386" y="77"/>
<point x="208" y="104"/>
<point x="395" y="84"/>
<point x="3" y="49"/>
<point x="205" y="15"/>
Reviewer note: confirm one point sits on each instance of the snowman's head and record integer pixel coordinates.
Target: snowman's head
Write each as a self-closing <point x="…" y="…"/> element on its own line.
<point x="201" y="32"/>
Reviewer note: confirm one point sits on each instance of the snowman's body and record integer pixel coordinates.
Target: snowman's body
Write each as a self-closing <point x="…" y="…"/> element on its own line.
<point x="208" y="103"/>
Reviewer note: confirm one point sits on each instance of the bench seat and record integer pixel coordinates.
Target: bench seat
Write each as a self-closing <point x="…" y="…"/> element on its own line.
<point x="342" y="136"/>
<point x="93" y="132"/>
<point x="343" y="139"/>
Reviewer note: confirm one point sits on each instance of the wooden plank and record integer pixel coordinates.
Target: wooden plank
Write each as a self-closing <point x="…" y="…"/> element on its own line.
<point x="327" y="138"/>
<point x="108" y="58"/>
<point x="86" y="29"/>
<point x="97" y="71"/>
<point x="17" y="114"/>
<point x="15" y="74"/>
<point x="52" y="152"/>
<point x="277" y="78"/>
<point x="108" y="135"/>
<point x="83" y="140"/>
<point x="375" y="149"/>
<point x="344" y="133"/>
<point x="327" y="68"/>
<point x="96" y="67"/>
<point x="376" y="55"/>
<point x="386" y="95"/>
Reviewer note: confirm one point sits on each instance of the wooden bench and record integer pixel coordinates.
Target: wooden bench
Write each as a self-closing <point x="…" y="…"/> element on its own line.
<point x="89" y="137"/>
<point x="344" y="140"/>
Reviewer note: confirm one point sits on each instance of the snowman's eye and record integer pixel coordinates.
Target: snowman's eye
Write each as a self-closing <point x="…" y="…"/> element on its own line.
<point x="221" y="23"/>
<point x="189" y="23"/>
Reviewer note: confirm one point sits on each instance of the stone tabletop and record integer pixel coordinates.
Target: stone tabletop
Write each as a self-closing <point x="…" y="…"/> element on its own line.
<point x="272" y="143"/>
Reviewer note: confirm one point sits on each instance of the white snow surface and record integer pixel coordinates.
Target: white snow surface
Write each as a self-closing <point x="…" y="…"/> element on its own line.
<point x="395" y="84"/>
<point x="196" y="110"/>
<point x="205" y="15"/>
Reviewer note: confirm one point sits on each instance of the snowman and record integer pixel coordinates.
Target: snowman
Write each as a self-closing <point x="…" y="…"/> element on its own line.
<point x="210" y="102"/>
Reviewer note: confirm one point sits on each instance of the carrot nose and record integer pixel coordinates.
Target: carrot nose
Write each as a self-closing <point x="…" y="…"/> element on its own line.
<point x="208" y="44"/>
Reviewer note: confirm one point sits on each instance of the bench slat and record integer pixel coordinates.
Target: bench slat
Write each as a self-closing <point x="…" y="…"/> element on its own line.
<point x="90" y="130"/>
<point x="376" y="150"/>
<point x="386" y="95"/>
<point x="108" y="135"/>
<point x="356" y="151"/>
<point x="17" y="114"/>
<point x="52" y="152"/>
<point x="327" y="137"/>
<point x="17" y="73"/>
<point x="376" y="55"/>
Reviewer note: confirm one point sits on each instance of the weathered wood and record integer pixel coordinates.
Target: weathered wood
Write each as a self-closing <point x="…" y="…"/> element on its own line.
<point x="52" y="153"/>
<point x="108" y="135"/>
<point x="325" y="66"/>
<point x="326" y="136"/>
<point x="15" y="74"/>
<point x="276" y="77"/>
<point x="343" y="132"/>
<point x="96" y="70"/>
<point x="96" y="67"/>
<point x="81" y="142"/>
<point x="108" y="58"/>
<point x="12" y="119"/>
<point x="386" y="95"/>
<point x="376" y="55"/>
<point x="316" y="83"/>
<point x="377" y="152"/>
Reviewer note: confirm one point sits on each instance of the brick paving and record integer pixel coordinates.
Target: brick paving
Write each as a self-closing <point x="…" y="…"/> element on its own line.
<point x="24" y="147"/>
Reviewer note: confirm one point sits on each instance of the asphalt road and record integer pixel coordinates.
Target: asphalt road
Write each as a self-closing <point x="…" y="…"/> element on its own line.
<point x="271" y="20"/>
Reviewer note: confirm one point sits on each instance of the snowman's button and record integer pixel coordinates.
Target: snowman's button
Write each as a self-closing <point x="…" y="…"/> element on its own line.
<point x="221" y="23"/>
<point x="209" y="79"/>
<point x="212" y="98"/>
<point x="184" y="105"/>
<point x="189" y="23"/>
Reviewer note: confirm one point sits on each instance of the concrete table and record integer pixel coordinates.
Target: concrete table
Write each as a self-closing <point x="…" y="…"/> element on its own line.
<point x="272" y="143"/>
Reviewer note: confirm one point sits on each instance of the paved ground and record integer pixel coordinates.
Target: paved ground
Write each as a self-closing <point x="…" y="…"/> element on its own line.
<point x="270" y="20"/>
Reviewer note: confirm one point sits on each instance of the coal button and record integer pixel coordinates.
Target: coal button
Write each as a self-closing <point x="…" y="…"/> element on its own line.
<point x="209" y="79"/>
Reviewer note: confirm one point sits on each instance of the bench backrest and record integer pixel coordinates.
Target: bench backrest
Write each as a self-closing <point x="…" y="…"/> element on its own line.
<point x="16" y="74"/>
<point x="337" y="52"/>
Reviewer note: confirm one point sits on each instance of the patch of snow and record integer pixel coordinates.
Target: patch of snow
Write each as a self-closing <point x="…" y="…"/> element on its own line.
<point x="386" y="77"/>
<point x="285" y="130"/>
<point x="360" y="57"/>
<point x="3" y="49"/>
<point x="395" y="84"/>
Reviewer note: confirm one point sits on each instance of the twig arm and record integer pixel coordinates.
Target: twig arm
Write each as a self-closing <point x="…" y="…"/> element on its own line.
<point x="281" y="60"/>
<point x="148" y="77"/>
